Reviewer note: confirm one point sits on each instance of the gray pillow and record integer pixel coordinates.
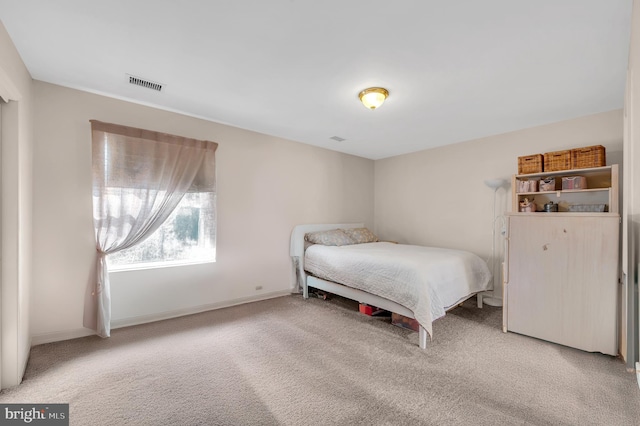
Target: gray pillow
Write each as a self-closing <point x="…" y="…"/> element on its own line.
<point x="361" y="235"/>
<point x="333" y="237"/>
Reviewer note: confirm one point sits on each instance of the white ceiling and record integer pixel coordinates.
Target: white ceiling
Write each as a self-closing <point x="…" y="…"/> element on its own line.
<point x="455" y="69"/>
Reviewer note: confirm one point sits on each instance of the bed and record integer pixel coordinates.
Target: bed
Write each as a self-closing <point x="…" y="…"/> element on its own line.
<point x="414" y="281"/>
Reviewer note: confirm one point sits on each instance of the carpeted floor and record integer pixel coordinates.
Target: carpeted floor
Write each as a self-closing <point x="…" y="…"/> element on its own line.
<point x="291" y="361"/>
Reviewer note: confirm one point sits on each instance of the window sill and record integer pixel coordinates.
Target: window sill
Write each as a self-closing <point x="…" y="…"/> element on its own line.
<point x="157" y="265"/>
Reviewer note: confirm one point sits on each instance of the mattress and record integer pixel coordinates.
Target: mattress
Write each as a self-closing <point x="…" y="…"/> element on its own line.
<point x="425" y="280"/>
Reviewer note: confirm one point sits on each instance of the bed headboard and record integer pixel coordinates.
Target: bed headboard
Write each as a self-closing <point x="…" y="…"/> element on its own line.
<point x="296" y="247"/>
<point x="296" y="251"/>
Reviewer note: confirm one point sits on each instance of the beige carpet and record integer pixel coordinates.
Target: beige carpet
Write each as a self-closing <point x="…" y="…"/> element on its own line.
<point x="295" y="362"/>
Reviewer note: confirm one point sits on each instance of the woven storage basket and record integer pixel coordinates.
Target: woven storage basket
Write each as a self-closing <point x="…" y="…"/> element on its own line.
<point x="530" y="164"/>
<point x="558" y="160"/>
<point x="589" y="156"/>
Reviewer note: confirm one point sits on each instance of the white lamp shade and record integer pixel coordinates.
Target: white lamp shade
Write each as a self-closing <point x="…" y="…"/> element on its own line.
<point x="495" y="183"/>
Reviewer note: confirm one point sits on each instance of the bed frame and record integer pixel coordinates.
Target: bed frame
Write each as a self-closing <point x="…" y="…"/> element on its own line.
<point x="297" y="250"/>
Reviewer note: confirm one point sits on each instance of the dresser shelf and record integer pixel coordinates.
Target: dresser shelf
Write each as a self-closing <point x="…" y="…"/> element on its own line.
<point x="602" y="188"/>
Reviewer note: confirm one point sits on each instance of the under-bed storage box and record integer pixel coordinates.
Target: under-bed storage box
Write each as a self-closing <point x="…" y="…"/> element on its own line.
<point x="404" y="322"/>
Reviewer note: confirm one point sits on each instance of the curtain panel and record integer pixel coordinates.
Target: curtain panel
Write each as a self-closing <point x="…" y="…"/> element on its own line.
<point x="139" y="177"/>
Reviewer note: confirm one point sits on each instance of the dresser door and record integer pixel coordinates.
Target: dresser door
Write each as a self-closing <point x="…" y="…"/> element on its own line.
<point x="562" y="279"/>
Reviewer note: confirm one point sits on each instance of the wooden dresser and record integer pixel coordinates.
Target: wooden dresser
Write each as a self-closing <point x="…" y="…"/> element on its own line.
<point x="561" y="269"/>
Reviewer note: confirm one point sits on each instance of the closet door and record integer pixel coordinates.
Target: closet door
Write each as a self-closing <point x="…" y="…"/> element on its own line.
<point x="563" y="278"/>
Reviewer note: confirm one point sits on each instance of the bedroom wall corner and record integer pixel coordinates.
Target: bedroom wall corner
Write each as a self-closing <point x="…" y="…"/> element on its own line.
<point x="630" y="330"/>
<point x="437" y="197"/>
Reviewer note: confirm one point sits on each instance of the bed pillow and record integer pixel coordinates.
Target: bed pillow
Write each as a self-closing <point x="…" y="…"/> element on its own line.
<point x="334" y="237"/>
<point x="361" y="235"/>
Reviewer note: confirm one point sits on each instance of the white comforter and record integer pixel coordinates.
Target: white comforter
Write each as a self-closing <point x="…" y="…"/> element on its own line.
<point x="426" y="280"/>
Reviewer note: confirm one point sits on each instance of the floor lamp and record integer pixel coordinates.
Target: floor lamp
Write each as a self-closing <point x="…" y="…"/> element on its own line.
<point x="493" y="297"/>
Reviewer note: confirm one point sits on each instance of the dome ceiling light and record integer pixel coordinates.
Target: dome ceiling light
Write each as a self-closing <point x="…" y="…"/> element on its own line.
<point x="373" y="97"/>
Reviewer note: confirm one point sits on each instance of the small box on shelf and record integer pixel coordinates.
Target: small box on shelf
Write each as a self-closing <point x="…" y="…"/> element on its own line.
<point x="574" y="182"/>
<point x="588" y="156"/>
<point x="527" y="186"/>
<point x="557" y="160"/>
<point x="530" y="164"/>
<point x="599" y="208"/>
<point x="548" y="184"/>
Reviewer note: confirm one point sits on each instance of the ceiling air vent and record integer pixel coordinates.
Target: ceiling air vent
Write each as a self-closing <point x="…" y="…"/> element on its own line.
<point x="337" y="138"/>
<point x="144" y="83"/>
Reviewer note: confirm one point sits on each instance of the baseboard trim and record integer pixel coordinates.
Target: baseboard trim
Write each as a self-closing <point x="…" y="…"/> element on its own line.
<point x="58" y="336"/>
<point x="25" y="361"/>
<point x="40" y="339"/>
<point x="143" y="319"/>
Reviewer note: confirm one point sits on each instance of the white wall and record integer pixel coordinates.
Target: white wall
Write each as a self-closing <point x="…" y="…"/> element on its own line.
<point x="16" y="165"/>
<point x="438" y="197"/>
<point x="631" y="202"/>
<point x="266" y="186"/>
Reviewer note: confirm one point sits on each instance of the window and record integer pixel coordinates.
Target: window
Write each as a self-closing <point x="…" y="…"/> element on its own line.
<point x="153" y="201"/>
<point x="154" y="197"/>
<point x="187" y="236"/>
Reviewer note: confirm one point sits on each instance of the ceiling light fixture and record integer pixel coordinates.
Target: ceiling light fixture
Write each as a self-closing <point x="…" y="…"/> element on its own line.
<point x="373" y="97"/>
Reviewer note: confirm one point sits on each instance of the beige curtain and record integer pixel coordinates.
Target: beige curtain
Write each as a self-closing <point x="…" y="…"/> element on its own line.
<point x="139" y="177"/>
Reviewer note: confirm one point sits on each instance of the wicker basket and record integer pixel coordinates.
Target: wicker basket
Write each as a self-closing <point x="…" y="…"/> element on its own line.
<point x="558" y="160"/>
<point x="589" y="156"/>
<point x="530" y="164"/>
